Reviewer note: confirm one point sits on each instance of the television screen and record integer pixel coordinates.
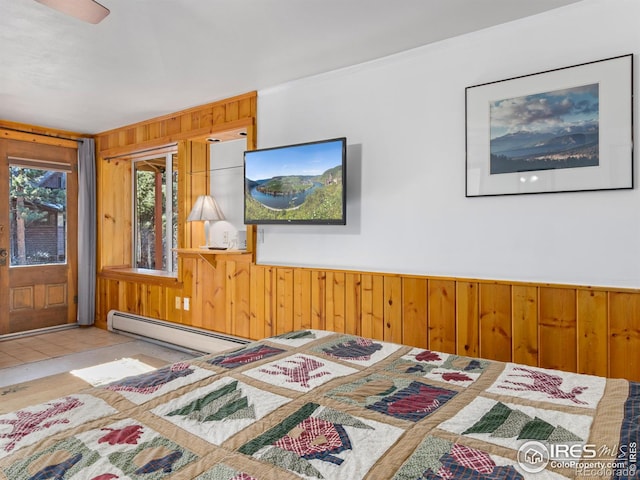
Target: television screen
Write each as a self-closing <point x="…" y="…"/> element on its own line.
<point x="296" y="184"/>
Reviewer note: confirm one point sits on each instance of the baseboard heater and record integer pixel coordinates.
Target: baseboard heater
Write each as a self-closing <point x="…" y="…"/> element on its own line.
<point x="178" y="336"/>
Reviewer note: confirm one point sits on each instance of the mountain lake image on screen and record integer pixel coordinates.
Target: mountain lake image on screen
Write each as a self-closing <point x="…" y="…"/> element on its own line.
<point x="296" y="184"/>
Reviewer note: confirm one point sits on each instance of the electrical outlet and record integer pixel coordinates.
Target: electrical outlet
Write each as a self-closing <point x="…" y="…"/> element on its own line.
<point x="186" y="303"/>
<point x="178" y="303"/>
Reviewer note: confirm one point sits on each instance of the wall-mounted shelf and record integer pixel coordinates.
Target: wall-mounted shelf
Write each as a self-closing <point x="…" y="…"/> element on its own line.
<point x="212" y="256"/>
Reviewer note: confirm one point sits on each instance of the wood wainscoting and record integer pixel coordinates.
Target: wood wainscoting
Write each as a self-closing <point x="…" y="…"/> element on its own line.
<point x="574" y="328"/>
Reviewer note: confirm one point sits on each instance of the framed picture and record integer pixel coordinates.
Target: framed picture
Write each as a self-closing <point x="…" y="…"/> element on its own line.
<point x="563" y="130"/>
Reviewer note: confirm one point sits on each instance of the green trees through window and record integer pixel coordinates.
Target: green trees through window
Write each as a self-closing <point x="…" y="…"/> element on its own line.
<point x="38" y="211"/>
<point x="156" y="212"/>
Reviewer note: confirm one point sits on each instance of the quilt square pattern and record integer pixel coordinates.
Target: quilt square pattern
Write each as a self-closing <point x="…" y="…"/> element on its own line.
<point x="125" y="449"/>
<point x="511" y="425"/>
<point x="549" y="385"/>
<point x="443" y="367"/>
<point x="219" y="410"/>
<point x="324" y="405"/>
<point x="316" y="442"/>
<point x="357" y="350"/>
<point x="299" y="372"/>
<point x="224" y="472"/>
<point x="245" y="356"/>
<point x="299" y="337"/>
<point x="436" y="458"/>
<point x="29" y="425"/>
<point x="142" y="388"/>
<point x="397" y="397"/>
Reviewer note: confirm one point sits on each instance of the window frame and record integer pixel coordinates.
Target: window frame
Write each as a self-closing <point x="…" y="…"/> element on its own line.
<point x="169" y="247"/>
<point x="45" y="166"/>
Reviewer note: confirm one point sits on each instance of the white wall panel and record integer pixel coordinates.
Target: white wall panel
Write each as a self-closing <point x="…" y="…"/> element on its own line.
<point x="404" y="120"/>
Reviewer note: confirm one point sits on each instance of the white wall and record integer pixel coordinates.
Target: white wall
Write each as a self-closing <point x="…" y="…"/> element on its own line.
<point x="227" y="187"/>
<point x="403" y="117"/>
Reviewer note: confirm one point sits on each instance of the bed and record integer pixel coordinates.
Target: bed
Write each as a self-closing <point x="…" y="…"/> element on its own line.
<point x="321" y="405"/>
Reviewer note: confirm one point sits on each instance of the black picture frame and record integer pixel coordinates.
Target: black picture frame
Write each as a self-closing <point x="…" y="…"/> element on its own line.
<point x="563" y="130"/>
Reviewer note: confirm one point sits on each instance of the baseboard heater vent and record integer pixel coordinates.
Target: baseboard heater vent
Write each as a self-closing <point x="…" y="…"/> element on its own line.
<point x="173" y="334"/>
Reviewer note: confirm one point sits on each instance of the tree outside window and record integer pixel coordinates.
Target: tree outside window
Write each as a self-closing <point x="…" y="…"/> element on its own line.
<point x="156" y="213"/>
<point x="38" y="211"/>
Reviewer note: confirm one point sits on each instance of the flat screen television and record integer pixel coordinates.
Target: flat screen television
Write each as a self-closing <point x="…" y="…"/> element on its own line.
<point x="296" y="184"/>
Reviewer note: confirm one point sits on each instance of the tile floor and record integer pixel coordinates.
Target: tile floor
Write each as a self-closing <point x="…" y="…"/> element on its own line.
<point x="27" y="358"/>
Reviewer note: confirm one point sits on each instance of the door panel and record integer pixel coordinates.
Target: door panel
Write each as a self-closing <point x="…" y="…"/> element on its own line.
<point x="38" y="297"/>
<point x="38" y="229"/>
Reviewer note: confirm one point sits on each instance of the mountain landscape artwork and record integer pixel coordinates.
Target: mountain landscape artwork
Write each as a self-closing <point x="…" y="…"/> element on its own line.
<point x="544" y="131"/>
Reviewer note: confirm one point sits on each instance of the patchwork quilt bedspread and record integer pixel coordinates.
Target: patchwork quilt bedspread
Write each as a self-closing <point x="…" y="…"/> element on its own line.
<point x="320" y="405"/>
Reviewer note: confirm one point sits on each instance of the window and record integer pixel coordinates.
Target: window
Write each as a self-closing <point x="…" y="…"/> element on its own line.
<point x="155" y="212"/>
<point x="38" y="215"/>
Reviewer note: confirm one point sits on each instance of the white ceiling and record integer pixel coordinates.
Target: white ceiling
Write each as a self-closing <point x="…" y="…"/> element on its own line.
<point x="152" y="57"/>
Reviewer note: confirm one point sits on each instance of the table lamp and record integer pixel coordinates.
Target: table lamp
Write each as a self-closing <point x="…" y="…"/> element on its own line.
<point x="206" y="209"/>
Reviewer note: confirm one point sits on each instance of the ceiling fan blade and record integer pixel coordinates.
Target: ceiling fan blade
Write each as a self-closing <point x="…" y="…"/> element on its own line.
<point x="86" y="10"/>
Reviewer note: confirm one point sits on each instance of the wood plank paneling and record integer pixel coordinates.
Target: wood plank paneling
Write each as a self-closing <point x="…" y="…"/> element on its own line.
<point x="392" y="309"/>
<point x="352" y="304"/>
<point x="301" y="299"/>
<point x="210" y="285"/>
<point x="154" y="301"/>
<point x="42" y="135"/>
<point x="372" y="306"/>
<point x="318" y="299"/>
<point x="259" y="302"/>
<point x="592" y="332"/>
<point x="132" y="293"/>
<point x="624" y="335"/>
<point x="238" y="310"/>
<point x="187" y="271"/>
<point x="467" y="319"/>
<point x="558" y="328"/>
<point x="284" y="300"/>
<point x="415" y="312"/>
<point x="335" y="301"/>
<point x="495" y="321"/>
<point x="114" y="213"/>
<point x="442" y="315"/>
<point x="187" y="131"/>
<point x="194" y="123"/>
<point x="524" y="343"/>
<point x="170" y="304"/>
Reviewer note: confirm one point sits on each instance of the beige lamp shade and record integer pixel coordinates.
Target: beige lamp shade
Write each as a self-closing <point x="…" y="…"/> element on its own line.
<point x="205" y="208"/>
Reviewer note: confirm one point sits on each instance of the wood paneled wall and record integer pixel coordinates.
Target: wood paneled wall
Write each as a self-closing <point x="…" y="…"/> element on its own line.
<point x="573" y="328"/>
<point x="195" y="124"/>
<point x="187" y="131"/>
<point x="41" y="135"/>
<point x="579" y="329"/>
<point x="153" y="294"/>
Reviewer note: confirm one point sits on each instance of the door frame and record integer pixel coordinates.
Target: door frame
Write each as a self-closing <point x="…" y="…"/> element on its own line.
<point x="44" y="156"/>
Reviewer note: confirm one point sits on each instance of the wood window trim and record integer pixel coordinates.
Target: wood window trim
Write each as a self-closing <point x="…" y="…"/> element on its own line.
<point x="141" y="275"/>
